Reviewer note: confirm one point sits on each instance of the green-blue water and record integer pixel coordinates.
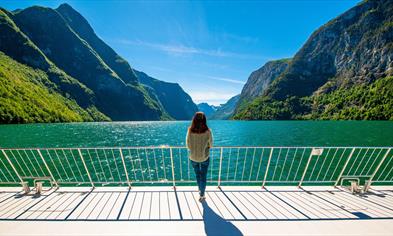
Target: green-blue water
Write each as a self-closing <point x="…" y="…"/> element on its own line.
<point x="226" y="133"/>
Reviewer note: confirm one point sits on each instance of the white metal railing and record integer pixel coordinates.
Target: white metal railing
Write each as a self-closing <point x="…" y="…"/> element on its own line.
<point x="170" y="165"/>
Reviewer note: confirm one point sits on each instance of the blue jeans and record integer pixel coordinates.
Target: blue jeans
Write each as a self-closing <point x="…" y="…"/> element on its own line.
<point x="200" y="169"/>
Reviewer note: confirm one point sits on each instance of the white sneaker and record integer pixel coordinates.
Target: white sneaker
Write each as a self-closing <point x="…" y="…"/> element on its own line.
<point x="202" y="198"/>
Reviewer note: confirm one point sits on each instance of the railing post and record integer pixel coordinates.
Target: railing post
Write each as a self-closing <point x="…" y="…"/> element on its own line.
<point x="12" y="166"/>
<point x="125" y="169"/>
<point x="267" y="167"/>
<point x="379" y="165"/>
<point x="305" y="169"/>
<point x="219" y="171"/>
<point x="173" y="168"/>
<point x="344" y="167"/>
<point x="84" y="164"/>
<point x="50" y="172"/>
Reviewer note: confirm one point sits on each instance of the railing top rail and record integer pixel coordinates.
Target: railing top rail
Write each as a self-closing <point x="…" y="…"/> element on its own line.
<point x="168" y="146"/>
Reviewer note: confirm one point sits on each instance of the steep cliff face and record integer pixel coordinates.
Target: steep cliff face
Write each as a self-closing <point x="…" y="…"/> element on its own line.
<point x="353" y="50"/>
<point x="259" y="81"/>
<point x="171" y="96"/>
<point x="80" y="25"/>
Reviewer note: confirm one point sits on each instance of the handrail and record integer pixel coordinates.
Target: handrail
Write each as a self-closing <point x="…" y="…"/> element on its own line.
<point x="170" y="146"/>
<point x="169" y="165"/>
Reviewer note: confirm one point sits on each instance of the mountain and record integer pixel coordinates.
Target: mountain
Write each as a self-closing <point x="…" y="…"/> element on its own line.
<point x="171" y="96"/>
<point x="343" y="71"/>
<point x="226" y="110"/>
<point x="207" y="109"/>
<point x="27" y="95"/>
<point x="259" y="81"/>
<point x="77" y="65"/>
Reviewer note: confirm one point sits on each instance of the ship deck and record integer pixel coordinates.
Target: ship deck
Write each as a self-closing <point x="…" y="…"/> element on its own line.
<point x="240" y="210"/>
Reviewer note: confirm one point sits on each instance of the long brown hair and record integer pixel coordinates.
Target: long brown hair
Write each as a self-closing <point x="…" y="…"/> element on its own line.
<point x="198" y="124"/>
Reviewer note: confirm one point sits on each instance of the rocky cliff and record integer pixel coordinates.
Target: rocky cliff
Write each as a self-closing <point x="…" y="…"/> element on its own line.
<point x="353" y="52"/>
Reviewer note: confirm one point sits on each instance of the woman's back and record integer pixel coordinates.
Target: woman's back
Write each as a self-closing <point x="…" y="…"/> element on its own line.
<point x="199" y="144"/>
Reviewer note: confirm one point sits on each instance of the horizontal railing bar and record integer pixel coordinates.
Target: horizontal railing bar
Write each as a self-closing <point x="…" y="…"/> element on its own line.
<point x="345" y="176"/>
<point x="34" y="177"/>
<point x="184" y="147"/>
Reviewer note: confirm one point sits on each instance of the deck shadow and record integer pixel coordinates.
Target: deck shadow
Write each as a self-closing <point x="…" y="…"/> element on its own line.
<point x="216" y="225"/>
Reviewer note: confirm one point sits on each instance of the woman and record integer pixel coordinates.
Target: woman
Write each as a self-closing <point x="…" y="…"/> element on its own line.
<point x="199" y="141"/>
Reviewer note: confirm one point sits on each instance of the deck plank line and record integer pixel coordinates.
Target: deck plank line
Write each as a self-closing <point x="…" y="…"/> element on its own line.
<point x="260" y="204"/>
<point x="194" y="196"/>
<point x="155" y="206"/>
<point x="60" y="205"/>
<point x="233" y="204"/>
<point x="169" y="207"/>
<point x="94" y="195"/>
<point x="242" y="204"/>
<point x="308" y="206"/>
<point x="69" y="207"/>
<point x="178" y="205"/>
<point x="29" y="213"/>
<point x="222" y="203"/>
<point x="322" y="198"/>
<point x="111" y="210"/>
<point x="132" y="205"/>
<point x="388" y="208"/>
<point x="311" y="207"/>
<point x="233" y="211"/>
<point x="215" y="205"/>
<point x="226" y="214"/>
<point x="270" y="204"/>
<point x="103" y="207"/>
<point x="188" y="205"/>
<point x="95" y="203"/>
<point x="14" y="204"/>
<point x="363" y="204"/>
<point x="84" y="198"/>
<point x="355" y="206"/>
<point x="11" y="195"/>
<point x="141" y="206"/>
<point x="193" y="205"/>
<point x="122" y="205"/>
<point x="336" y="214"/>
<point x="287" y="208"/>
<point x="35" y="204"/>
<point x="289" y="205"/>
<point x="236" y="201"/>
<point x="240" y="194"/>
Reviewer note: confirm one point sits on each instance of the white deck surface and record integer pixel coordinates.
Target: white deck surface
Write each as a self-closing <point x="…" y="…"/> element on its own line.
<point x="230" y="211"/>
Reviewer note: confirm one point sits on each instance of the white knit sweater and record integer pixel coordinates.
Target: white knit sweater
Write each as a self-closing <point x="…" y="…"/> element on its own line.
<point x="199" y="145"/>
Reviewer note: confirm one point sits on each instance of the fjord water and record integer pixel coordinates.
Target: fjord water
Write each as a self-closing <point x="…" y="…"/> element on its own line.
<point x="226" y="133"/>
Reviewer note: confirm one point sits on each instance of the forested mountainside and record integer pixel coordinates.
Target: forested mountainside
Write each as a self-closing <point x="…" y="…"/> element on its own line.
<point x="207" y="108"/>
<point x="76" y="66"/>
<point x="222" y="112"/>
<point x="226" y="110"/>
<point x="343" y="71"/>
<point x="171" y="97"/>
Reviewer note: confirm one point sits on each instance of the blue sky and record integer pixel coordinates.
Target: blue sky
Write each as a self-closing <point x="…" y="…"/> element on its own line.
<point x="208" y="47"/>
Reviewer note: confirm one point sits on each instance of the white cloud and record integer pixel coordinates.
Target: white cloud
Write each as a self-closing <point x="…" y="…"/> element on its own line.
<point x="179" y="49"/>
<point x="213" y="98"/>
<point x="226" y="80"/>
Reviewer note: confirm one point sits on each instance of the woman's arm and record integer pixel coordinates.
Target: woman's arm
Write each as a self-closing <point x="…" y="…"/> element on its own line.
<point x="188" y="138"/>
<point x="210" y="139"/>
